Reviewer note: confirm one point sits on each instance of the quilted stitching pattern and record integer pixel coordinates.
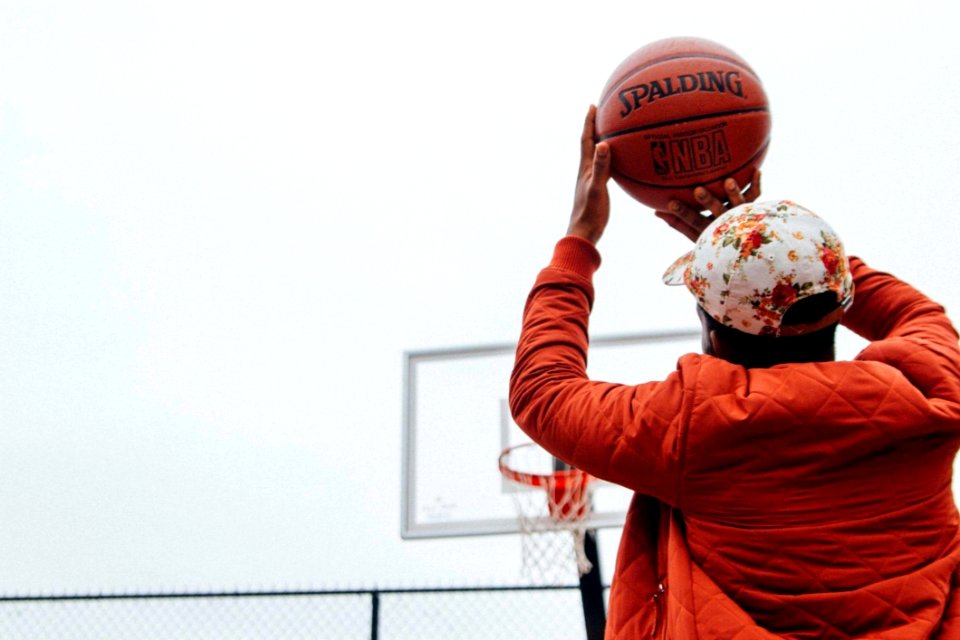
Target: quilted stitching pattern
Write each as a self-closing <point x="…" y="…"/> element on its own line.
<point x="890" y="558"/>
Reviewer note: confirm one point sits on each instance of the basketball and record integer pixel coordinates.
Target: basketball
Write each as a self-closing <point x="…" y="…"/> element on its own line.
<point x="681" y="113"/>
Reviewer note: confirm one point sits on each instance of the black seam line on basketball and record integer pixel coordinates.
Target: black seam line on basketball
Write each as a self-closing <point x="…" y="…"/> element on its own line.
<point x="651" y="63"/>
<point x="763" y="148"/>
<point x="667" y="123"/>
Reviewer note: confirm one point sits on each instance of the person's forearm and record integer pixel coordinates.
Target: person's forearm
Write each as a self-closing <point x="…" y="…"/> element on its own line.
<point x="553" y="341"/>
<point x="886" y="307"/>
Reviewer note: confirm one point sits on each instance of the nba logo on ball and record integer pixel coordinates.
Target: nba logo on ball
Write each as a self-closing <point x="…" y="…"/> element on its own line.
<point x="703" y="152"/>
<point x="658" y="153"/>
<point x="681" y="113"/>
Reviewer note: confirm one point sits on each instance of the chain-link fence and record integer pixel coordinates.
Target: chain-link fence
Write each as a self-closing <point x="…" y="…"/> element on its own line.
<point x="389" y="614"/>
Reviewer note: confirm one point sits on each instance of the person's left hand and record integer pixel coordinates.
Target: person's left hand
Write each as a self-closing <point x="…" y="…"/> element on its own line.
<point x="691" y="222"/>
<point x="591" y="202"/>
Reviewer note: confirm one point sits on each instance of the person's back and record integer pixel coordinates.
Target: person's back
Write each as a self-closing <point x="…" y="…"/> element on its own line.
<point x="849" y="484"/>
<point x="825" y="507"/>
<point x="787" y="495"/>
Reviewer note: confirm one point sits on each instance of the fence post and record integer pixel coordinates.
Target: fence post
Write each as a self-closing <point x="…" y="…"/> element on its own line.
<point x="374" y="615"/>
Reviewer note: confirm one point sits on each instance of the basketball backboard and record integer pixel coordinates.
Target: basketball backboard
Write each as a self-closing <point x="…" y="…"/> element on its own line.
<point x="457" y="422"/>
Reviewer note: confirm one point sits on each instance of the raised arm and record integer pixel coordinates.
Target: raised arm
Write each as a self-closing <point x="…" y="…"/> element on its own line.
<point x="906" y="329"/>
<point x="617" y="432"/>
<point x="885" y="307"/>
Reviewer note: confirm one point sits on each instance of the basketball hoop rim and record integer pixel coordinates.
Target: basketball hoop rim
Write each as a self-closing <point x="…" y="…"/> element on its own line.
<point x="556" y="480"/>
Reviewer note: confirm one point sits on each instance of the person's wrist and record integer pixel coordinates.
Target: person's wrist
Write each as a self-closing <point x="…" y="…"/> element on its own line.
<point x="589" y="232"/>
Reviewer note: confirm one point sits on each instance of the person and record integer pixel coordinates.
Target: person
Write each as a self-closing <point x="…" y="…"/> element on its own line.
<point x="778" y="492"/>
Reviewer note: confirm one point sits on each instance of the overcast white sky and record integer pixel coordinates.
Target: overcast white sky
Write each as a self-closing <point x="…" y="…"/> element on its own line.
<point x="222" y="224"/>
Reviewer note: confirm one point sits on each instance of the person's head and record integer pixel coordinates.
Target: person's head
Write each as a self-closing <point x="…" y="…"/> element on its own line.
<point x="772" y="282"/>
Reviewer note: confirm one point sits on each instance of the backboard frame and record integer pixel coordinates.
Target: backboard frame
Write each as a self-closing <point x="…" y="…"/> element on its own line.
<point x="411" y="528"/>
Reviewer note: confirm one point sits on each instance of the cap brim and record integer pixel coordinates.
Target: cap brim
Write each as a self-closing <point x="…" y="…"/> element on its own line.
<point x="674" y="273"/>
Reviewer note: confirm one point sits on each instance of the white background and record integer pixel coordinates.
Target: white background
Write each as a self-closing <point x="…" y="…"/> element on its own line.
<point x="222" y="224"/>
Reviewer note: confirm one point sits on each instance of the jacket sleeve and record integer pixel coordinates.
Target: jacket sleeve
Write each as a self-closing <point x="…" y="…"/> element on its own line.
<point x="622" y="433"/>
<point x="907" y="329"/>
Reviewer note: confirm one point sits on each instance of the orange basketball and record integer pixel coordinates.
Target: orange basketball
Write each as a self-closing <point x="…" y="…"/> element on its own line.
<point x="680" y="113"/>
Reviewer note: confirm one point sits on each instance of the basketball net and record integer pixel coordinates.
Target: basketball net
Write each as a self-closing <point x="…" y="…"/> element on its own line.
<point x="552" y="507"/>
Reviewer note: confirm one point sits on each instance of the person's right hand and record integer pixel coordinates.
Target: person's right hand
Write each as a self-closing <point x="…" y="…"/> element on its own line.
<point x="691" y="222"/>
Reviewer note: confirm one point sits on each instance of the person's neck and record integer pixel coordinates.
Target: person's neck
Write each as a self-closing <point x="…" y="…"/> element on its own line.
<point x="766" y="359"/>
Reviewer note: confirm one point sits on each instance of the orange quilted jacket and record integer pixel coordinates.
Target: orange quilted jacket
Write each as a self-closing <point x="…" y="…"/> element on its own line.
<point x="799" y="501"/>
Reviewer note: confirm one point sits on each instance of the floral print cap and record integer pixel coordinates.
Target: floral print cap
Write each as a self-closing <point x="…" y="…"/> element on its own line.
<point x="756" y="260"/>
